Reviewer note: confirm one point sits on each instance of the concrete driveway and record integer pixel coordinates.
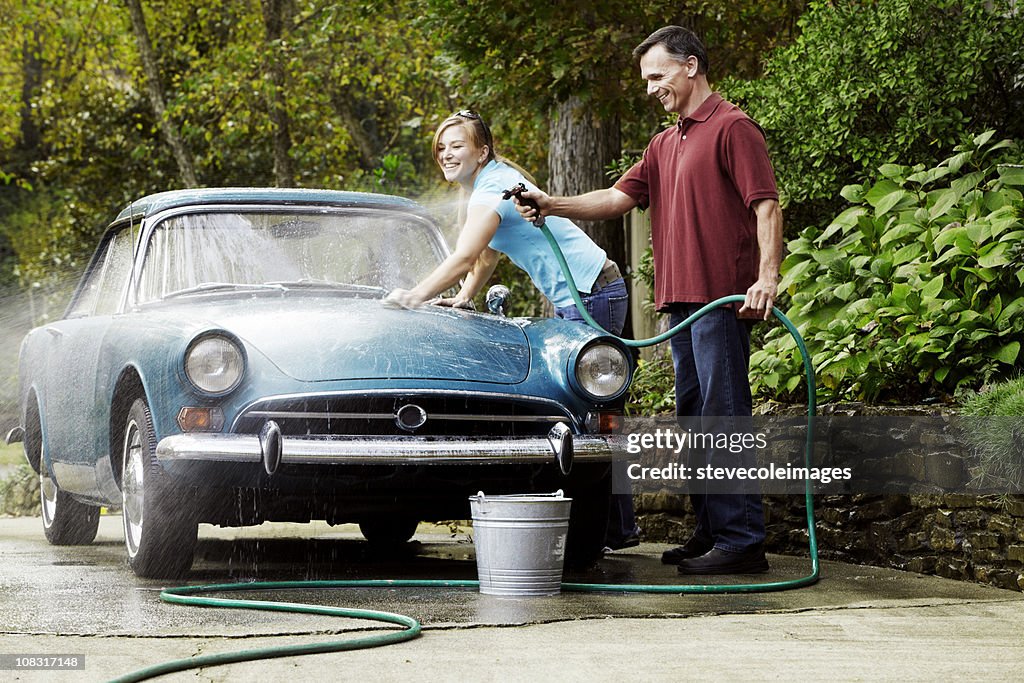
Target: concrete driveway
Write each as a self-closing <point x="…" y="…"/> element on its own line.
<point x="857" y="623"/>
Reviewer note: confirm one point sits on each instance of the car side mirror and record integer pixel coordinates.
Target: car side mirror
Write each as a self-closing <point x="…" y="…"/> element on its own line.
<point x="497" y="300"/>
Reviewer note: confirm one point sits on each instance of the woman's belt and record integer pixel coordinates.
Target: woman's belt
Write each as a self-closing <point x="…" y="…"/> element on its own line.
<point x="609" y="274"/>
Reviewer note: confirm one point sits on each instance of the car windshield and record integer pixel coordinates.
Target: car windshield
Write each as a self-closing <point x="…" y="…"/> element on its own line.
<point x="359" y="250"/>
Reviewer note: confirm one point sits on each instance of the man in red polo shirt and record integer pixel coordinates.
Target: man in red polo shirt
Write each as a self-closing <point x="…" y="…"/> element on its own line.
<point x="716" y="229"/>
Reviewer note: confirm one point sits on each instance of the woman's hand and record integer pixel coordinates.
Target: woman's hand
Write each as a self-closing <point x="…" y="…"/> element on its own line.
<point x="455" y="302"/>
<point x="403" y="298"/>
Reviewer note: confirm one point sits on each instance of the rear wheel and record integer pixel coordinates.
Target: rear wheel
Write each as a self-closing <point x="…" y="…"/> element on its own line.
<point x="388" y="530"/>
<point x="160" y="527"/>
<point x="66" y="521"/>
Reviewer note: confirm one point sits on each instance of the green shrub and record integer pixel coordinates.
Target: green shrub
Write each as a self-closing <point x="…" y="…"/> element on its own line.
<point x="653" y="391"/>
<point x="913" y="291"/>
<point x="998" y="440"/>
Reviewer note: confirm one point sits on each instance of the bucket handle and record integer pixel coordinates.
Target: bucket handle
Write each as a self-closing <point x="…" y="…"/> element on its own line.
<point x="483" y="510"/>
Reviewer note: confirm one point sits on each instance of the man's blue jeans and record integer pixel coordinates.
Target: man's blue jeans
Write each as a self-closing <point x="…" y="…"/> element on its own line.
<point x="711" y="360"/>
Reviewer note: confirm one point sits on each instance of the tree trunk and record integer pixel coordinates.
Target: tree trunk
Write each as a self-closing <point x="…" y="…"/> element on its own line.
<point x="32" y="78"/>
<point x="186" y="167"/>
<point x="580" y="149"/>
<point x="273" y="23"/>
<point x="359" y="119"/>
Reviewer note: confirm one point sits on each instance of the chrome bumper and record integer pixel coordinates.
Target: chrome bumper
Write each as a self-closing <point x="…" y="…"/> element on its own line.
<point x="244" y="448"/>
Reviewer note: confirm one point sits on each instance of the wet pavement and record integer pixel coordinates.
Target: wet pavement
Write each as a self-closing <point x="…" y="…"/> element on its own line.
<point x="857" y="623"/>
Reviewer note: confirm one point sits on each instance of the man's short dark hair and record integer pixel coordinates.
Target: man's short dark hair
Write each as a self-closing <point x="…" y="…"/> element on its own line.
<point x="679" y="42"/>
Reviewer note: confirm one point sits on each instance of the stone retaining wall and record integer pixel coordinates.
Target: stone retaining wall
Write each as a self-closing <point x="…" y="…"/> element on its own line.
<point x="954" y="535"/>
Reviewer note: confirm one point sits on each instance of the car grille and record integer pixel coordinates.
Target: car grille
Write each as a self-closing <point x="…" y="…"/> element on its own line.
<point x="375" y="415"/>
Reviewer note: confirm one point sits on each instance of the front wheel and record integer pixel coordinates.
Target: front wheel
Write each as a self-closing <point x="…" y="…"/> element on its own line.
<point x="160" y="528"/>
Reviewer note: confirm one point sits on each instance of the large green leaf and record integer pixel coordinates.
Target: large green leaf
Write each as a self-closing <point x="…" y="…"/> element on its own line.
<point x="948" y="236"/>
<point x="796" y="274"/>
<point x="994" y="255"/>
<point x="983" y="138"/>
<point x="852" y="193"/>
<point x="944" y="201"/>
<point x="845" y="220"/>
<point x="933" y="287"/>
<point x="1007" y="353"/>
<point x="880" y="191"/>
<point x="908" y="253"/>
<point x="1011" y="175"/>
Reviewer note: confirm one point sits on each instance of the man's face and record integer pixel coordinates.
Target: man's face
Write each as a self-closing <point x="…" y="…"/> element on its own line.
<point x="667" y="78"/>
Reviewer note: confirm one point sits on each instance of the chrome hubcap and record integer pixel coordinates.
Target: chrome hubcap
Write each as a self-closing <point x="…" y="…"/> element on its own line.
<point x="48" y="498"/>
<point x="47" y="492"/>
<point x="132" y="487"/>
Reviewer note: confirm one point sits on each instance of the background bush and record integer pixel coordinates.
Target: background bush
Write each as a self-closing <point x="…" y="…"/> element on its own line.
<point x="913" y="291"/>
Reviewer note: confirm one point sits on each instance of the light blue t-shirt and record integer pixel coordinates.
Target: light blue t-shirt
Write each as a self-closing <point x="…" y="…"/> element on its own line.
<point x="526" y="245"/>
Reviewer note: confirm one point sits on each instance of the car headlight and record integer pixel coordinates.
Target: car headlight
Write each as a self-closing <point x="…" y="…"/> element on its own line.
<point x="602" y="370"/>
<point x="214" y="364"/>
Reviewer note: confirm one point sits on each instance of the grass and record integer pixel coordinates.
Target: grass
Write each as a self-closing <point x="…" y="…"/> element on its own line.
<point x="998" y="439"/>
<point x="11" y="455"/>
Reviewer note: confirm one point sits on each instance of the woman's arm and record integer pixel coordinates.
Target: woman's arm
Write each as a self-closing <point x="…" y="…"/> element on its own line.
<point x="481" y="224"/>
<point x="475" y="281"/>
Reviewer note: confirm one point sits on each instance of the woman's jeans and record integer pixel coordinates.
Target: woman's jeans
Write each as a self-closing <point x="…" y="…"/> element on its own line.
<point x="608" y="307"/>
<point x="711" y="359"/>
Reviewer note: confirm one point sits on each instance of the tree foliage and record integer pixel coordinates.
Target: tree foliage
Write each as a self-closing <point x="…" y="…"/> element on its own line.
<point x="869" y="82"/>
<point x="516" y="61"/>
<point x="352" y="84"/>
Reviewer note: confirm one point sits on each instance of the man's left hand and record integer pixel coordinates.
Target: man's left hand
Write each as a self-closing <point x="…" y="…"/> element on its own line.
<point x="760" y="298"/>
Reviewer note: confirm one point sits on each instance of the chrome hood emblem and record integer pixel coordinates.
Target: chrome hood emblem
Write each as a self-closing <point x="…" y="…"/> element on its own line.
<point x="410" y="417"/>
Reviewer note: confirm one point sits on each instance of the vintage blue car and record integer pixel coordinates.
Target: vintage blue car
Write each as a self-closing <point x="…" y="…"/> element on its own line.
<point x="227" y="358"/>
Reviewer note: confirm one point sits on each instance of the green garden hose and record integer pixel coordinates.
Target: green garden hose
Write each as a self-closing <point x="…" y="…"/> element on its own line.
<point x="191" y="595"/>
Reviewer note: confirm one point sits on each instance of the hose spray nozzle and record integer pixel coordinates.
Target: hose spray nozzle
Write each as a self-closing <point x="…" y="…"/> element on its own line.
<point x="517" y="192"/>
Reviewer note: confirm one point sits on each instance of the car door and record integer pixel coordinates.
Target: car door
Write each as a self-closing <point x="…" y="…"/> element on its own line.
<point x="77" y="396"/>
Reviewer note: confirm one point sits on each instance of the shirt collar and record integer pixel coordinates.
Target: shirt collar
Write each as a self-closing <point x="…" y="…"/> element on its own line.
<point x="487" y="168"/>
<point x="704" y="111"/>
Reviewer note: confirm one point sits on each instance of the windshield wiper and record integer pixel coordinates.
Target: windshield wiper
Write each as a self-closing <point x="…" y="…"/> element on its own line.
<point x="207" y="287"/>
<point x="327" y="284"/>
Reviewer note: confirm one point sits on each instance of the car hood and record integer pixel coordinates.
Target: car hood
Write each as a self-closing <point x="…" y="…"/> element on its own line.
<point x="326" y="338"/>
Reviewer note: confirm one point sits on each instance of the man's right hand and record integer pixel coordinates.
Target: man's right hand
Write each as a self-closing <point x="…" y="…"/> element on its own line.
<point x="541" y="198"/>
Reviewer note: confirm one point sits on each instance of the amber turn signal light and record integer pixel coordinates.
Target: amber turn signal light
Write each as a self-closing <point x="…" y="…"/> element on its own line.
<point x="200" y="419"/>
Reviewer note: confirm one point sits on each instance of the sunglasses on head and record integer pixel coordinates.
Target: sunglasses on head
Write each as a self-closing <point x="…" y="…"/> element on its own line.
<point x="473" y="116"/>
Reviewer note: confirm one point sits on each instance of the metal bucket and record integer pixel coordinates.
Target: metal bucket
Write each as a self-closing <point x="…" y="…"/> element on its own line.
<point x="520" y="542"/>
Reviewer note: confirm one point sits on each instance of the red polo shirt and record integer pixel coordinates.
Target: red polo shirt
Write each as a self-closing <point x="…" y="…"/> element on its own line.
<point x="700" y="179"/>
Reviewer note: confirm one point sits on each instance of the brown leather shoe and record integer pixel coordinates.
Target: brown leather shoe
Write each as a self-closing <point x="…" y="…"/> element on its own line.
<point x="695" y="547"/>
<point x="717" y="561"/>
